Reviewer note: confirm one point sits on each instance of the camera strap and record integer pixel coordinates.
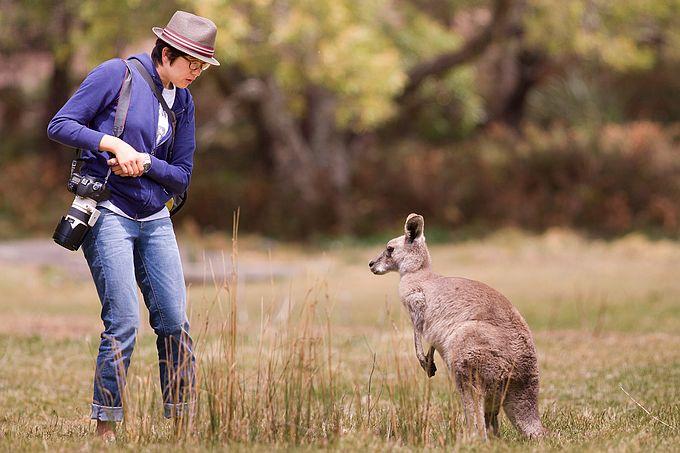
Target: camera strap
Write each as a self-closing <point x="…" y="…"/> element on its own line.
<point x="118" y="120"/>
<point x="159" y="95"/>
<point x="123" y="104"/>
<point x="121" y="109"/>
<point x="177" y="200"/>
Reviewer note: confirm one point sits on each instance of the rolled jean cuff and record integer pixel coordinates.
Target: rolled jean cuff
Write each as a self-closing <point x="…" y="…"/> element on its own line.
<point x="176" y="410"/>
<point x="106" y="413"/>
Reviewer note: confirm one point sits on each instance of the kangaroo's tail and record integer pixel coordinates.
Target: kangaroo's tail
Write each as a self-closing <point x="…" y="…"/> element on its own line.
<point x="521" y="407"/>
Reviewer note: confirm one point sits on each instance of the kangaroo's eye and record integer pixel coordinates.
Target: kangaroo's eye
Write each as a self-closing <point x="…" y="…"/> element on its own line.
<point x="390" y="249"/>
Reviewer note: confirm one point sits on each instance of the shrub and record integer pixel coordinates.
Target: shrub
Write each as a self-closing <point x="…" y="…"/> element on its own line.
<point x="621" y="178"/>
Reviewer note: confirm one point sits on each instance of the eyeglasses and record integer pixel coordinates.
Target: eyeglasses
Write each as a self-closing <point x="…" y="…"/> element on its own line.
<point x="196" y="64"/>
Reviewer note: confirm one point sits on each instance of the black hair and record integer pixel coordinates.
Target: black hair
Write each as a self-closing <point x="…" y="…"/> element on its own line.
<point x="157" y="52"/>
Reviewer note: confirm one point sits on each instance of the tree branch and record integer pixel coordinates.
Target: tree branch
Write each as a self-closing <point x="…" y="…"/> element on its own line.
<point x="475" y="46"/>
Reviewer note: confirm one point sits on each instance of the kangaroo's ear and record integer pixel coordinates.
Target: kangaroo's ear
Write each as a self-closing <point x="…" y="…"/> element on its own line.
<point x="414" y="227"/>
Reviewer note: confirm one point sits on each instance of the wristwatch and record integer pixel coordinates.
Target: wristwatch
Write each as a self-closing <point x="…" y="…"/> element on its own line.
<point x="147" y="162"/>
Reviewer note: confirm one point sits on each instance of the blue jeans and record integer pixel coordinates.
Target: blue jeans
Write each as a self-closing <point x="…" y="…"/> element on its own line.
<point x="123" y="253"/>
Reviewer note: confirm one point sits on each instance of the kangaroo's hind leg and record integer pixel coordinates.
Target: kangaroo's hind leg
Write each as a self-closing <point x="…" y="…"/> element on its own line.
<point x="492" y="406"/>
<point x="473" y="407"/>
<point x="491" y="423"/>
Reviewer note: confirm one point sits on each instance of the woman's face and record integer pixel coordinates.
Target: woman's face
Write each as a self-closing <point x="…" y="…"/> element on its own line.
<point x="179" y="72"/>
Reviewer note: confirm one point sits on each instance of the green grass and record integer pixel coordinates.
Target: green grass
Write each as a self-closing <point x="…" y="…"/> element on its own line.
<point x="325" y="359"/>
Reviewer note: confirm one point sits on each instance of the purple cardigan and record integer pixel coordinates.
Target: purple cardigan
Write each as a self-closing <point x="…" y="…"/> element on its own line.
<point x="88" y="115"/>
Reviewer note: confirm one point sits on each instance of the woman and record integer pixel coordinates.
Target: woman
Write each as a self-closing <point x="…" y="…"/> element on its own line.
<point x="133" y="242"/>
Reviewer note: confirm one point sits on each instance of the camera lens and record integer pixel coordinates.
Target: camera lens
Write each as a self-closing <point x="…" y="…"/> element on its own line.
<point x="72" y="228"/>
<point x="70" y="233"/>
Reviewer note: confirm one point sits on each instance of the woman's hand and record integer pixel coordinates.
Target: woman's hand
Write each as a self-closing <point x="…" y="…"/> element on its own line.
<point x="127" y="161"/>
<point x="116" y="169"/>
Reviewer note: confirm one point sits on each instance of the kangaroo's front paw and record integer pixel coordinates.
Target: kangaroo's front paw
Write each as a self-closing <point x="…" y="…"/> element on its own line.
<point x="425" y="365"/>
<point x="431" y="368"/>
<point x="428" y="365"/>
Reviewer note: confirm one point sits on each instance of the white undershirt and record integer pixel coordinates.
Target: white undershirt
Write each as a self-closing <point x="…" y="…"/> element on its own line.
<point x="161" y="132"/>
<point x="163" y="123"/>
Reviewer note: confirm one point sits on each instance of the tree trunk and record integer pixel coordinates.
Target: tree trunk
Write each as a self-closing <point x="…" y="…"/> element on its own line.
<point x="331" y="156"/>
<point x="311" y="168"/>
<point x="532" y="66"/>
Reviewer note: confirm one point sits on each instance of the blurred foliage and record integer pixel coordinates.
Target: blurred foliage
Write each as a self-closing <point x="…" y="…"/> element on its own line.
<point x="111" y="26"/>
<point x="451" y="109"/>
<point x="626" y="177"/>
<point x="576" y="99"/>
<point x="340" y="45"/>
<point x="566" y="115"/>
<point x="624" y="35"/>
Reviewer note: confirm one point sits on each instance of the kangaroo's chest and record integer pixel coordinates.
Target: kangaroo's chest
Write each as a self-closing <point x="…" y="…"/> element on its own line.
<point x="414" y="300"/>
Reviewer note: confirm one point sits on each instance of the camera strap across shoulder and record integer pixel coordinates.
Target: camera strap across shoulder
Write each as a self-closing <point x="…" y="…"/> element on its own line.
<point x="159" y="95"/>
<point x="177" y="200"/>
<point x="122" y="108"/>
<point x="123" y="104"/>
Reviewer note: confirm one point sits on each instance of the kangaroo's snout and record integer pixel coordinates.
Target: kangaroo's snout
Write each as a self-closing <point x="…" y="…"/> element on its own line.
<point x="377" y="266"/>
<point x="372" y="266"/>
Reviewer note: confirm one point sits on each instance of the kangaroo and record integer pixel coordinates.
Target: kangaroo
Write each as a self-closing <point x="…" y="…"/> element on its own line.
<point x="482" y="338"/>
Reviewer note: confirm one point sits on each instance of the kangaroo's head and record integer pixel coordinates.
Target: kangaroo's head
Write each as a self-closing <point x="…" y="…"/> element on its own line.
<point x="404" y="254"/>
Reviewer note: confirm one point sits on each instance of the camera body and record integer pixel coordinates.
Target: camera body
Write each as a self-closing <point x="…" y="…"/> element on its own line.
<point x="88" y="187"/>
<point x="82" y="214"/>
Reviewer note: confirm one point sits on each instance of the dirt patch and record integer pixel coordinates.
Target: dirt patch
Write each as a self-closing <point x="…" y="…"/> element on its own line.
<point x="54" y="327"/>
<point x="208" y="267"/>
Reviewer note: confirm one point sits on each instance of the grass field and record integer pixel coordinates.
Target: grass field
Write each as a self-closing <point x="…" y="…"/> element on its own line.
<point x="323" y="356"/>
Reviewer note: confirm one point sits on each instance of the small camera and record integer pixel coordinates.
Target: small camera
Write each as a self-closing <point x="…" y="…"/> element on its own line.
<point x="83" y="214"/>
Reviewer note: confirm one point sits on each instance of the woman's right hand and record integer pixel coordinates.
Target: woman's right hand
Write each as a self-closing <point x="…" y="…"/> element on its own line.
<point x="127" y="161"/>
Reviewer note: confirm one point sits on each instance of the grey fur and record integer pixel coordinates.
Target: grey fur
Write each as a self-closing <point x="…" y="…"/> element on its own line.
<point x="482" y="338"/>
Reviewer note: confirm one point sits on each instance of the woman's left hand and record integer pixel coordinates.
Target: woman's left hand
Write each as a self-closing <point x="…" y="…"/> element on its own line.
<point x="117" y="170"/>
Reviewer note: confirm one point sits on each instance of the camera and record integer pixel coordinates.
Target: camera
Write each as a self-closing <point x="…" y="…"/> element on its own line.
<point x="83" y="214"/>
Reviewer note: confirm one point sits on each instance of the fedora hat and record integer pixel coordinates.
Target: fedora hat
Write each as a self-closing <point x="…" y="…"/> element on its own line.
<point x="194" y="35"/>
